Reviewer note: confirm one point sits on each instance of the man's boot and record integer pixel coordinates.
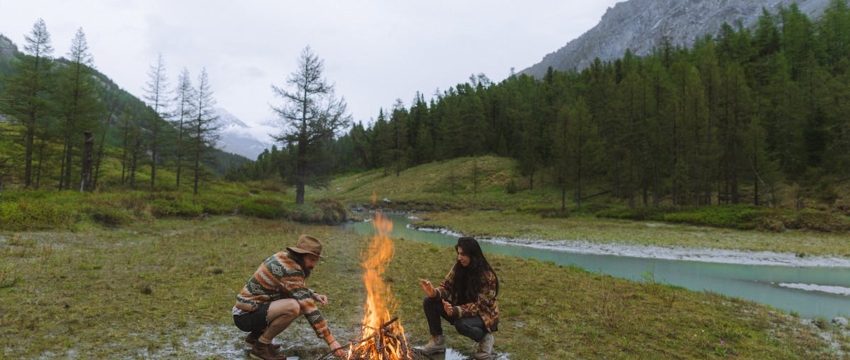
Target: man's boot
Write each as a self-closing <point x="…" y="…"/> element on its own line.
<point x="262" y="351"/>
<point x="254" y="337"/>
<point x="436" y="345"/>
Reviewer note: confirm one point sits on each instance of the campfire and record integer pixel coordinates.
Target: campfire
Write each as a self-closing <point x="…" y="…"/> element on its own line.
<point x="382" y="336"/>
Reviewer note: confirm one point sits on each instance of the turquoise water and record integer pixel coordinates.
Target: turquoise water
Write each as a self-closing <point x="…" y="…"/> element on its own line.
<point x="777" y="286"/>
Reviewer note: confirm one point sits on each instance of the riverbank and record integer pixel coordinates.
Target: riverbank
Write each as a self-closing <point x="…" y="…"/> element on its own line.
<point x="723" y="256"/>
<point x="648" y="239"/>
<point x="638" y="247"/>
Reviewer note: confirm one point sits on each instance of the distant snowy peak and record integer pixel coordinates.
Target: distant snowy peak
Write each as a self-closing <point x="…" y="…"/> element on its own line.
<point x="240" y="138"/>
<point x="226" y="119"/>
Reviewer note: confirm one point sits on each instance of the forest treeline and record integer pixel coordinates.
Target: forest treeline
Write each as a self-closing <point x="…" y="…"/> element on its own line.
<point x="61" y="114"/>
<point x="724" y="121"/>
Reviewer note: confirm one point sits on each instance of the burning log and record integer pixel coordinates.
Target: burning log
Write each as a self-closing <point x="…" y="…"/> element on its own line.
<point x="385" y="343"/>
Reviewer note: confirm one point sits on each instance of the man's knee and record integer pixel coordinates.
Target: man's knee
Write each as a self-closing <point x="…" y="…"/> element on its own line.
<point x="284" y="308"/>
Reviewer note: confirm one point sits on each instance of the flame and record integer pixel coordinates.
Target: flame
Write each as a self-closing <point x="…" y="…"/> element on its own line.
<point x="382" y="337"/>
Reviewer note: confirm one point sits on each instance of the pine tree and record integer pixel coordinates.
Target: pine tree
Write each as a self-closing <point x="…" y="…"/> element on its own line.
<point x="157" y="98"/>
<point x="28" y="91"/>
<point x="78" y="103"/>
<point x="400" y="143"/>
<point x="185" y="109"/>
<point x="203" y="129"/>
<point x="311" y="115"/>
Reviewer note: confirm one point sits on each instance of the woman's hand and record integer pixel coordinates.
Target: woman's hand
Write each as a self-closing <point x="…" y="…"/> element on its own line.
<point x="429" y="289"/>
<point x="448" y="308"/>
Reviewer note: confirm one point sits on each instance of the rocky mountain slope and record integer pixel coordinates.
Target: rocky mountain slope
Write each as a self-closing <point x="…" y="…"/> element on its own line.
<point x="640" y="25"/>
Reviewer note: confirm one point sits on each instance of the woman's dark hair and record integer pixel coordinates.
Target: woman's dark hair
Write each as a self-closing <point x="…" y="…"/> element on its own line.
<point x="467" y="280"/>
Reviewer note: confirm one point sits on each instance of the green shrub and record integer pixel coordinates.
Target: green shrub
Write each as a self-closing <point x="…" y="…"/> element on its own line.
<point x="40" y="214"/>
<point x="175" y="208"/>
<point x="334" y="212"/>
<point x="110" y="217"/>
<point x="535" y="209"/>
<point x="264" y="208"/>
<point x="818" y="220"/>
<point x="512" y="187"/>
<point x="770" y="223"/>
<point x="740" y="217"/>
<point x="217" y="205"/>
<point x="638" y="213"/>
<point x="556" y="214"/>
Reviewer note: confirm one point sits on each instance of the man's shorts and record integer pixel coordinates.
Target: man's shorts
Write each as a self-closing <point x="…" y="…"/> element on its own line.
<point x="253" y="321"/>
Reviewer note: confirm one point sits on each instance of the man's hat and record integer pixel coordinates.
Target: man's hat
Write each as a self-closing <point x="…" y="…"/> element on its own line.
<point x="307" y="245"/>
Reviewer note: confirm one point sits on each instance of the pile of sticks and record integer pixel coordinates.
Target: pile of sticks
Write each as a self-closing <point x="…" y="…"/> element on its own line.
<point x="383" y="344"/>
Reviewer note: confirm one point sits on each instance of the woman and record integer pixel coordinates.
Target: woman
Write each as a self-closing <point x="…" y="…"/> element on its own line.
<point x="466" y="298"/>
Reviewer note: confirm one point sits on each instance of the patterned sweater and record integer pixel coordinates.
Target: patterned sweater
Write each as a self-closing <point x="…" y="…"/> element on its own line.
<point x="485" y="305"/>
<point x="280" y="277"/>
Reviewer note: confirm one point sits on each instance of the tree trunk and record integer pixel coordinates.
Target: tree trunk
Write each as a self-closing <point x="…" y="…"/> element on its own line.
<point x="85" y="182"/>
<point x="28" y="156"/>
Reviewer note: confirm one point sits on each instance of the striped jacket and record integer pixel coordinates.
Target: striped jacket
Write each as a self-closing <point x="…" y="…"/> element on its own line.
<point x="280" y="277"/>
<point x="485" y="305"/>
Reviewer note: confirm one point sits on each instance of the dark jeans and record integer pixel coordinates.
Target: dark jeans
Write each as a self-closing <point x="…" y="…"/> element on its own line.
<point x="471" y="327"/>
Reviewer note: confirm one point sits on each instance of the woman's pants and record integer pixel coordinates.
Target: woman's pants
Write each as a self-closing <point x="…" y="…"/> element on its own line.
<point x="471" y="327"/>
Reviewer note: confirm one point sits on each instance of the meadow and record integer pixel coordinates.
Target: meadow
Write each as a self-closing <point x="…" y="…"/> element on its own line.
<point x="164" y="289"/>
<point x="153" y="275"/>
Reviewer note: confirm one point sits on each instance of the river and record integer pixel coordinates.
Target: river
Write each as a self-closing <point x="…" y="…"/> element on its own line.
<point x="811" y="291"/>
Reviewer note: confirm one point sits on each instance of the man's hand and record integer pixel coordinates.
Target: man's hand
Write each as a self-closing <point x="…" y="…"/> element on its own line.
<point x="337" y="349"/>
<point x="321" y="299"/>
<point x="429" y="289"/>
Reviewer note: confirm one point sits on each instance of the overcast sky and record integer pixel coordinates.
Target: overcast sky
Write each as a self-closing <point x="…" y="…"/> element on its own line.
<point x="374" y="51"/>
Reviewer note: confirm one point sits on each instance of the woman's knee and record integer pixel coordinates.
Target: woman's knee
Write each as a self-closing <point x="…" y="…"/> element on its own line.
<point x="430" y="302"/>
<point x="469" y="327"/>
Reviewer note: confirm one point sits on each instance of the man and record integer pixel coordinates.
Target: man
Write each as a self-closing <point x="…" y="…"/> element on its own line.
<point x="466" y="298"/>
<point x="277" y="294"/>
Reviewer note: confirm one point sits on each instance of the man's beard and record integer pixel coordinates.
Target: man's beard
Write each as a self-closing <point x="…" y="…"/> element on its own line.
<point x="299" y="259"/>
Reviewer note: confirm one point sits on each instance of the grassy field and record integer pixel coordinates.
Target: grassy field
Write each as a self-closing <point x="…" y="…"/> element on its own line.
<point x="482" y="206"/>
<point x="153" y="274"/>
<point x="164" y="289"/>
<point x="600" y="230"/>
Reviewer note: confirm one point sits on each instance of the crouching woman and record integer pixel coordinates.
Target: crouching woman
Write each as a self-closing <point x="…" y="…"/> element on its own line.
<point x="466" y="298"/>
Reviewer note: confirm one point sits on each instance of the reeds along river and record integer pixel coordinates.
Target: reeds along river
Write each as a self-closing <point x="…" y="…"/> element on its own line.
<point x="810" y="291"/>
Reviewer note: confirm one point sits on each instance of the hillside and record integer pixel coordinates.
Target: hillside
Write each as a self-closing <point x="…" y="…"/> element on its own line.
<point x="121" y="114"/>
<point x="495" y="183"/>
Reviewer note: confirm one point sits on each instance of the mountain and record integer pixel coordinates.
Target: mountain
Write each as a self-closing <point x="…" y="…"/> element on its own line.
<point x="641" y="25"/>
<point x="7" y="47"/>
<point x="240" y="138"/>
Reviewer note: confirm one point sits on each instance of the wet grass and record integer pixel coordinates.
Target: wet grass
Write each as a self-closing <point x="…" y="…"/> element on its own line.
<point x="528" y="226"/>
<point x="164" y="289"/>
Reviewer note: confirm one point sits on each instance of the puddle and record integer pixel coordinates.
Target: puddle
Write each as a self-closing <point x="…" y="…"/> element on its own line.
<point x="452" y="354"/>
<point x="224" y="342"/>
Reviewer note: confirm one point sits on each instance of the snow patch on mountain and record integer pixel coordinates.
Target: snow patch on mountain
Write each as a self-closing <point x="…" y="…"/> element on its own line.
<point x="239" y="138"/>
